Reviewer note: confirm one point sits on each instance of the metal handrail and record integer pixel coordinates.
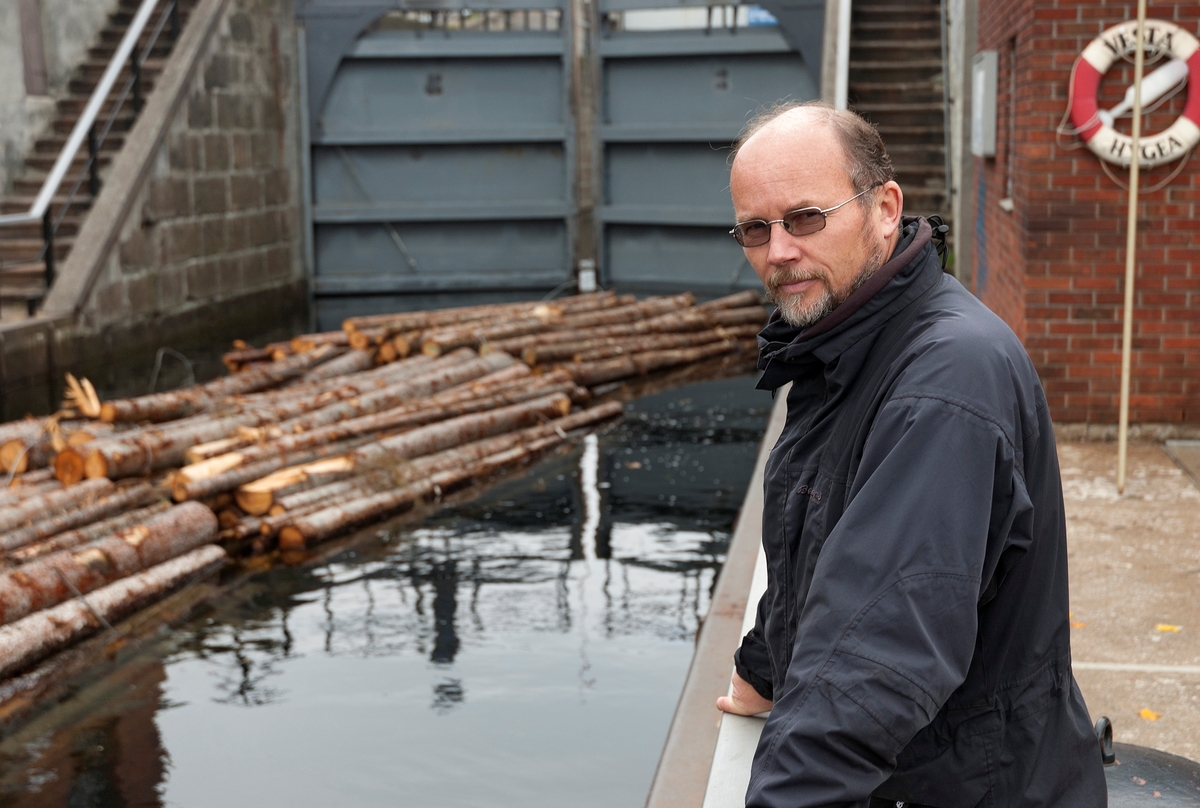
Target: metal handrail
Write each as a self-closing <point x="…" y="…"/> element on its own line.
<point x="79" y="134"/>
<point x="85" y="131"/>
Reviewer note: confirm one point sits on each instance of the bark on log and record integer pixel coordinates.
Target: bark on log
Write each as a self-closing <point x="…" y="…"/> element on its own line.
<point x="97" y="530"/>
<point x="420" y="320"/>
<point x="738" y="300"/>
<point x="424" y="384"/>
<point x="35" y="637"/>
<point x="347" y="363"/>
<point x="308" y="342"/>
<point x="48" y="581"/>
<point x="183" y="489"/>
<point x="33" y="507"/>
<point x="450" y="403"/>
<point x="56" y="522"/>
<point x="623" y="367"/>
<point x="32" y="477"/>
<point x="238" y="358"/>
<point x="308" y="529"/>
<point x="662" y="342"/>
<point x="178" y="403"/>
<point x="16" y="493"/>
<point x="258" y="496"/>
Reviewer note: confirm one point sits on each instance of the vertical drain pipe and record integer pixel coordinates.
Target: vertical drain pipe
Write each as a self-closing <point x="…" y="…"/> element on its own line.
<point x="841" y="87"/>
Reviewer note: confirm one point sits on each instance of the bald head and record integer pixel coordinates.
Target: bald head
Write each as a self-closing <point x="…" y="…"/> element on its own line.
<point x="814" y="157"/>
<point x="793" y="125"/>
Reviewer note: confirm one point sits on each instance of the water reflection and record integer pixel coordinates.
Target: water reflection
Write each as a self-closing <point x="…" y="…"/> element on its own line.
<point x="525" y="648"/>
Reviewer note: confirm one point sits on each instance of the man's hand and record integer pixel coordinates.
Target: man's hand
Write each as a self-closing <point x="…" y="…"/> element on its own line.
<point x="745" y="699"/>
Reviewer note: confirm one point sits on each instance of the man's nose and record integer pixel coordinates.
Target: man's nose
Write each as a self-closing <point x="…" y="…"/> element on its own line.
<point x="783" y="246"/>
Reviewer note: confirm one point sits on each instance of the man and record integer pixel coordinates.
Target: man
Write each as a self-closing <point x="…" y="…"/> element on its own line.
<point x="913" y="645"/>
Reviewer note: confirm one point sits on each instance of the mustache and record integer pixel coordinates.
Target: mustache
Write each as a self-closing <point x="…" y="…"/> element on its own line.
<point x="785" y="276"/>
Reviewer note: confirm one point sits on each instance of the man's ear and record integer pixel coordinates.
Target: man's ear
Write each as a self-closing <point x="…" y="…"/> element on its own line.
<point x="890" y="201"/>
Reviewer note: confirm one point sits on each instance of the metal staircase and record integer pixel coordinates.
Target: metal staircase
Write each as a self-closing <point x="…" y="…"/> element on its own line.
<point x="33" y="241"/>
<point x="896" y="82"/>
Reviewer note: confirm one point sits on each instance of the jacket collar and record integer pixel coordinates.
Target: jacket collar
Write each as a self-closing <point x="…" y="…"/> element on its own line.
<point x="787" y="352"/>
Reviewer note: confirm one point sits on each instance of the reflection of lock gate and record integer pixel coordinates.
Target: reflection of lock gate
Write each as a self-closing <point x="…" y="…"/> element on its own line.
<point x="1106" y="142"/>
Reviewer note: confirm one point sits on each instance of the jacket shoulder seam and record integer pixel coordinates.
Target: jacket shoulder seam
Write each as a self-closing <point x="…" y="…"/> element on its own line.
<point x="965" y="407"/>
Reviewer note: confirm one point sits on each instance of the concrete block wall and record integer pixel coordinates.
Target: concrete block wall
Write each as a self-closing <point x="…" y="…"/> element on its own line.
<point x="1054" y="266"/>
<point x="218" y="216"/>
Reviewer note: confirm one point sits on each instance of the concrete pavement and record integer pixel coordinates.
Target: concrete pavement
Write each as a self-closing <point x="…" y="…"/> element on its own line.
<point x="1135" y="592"/>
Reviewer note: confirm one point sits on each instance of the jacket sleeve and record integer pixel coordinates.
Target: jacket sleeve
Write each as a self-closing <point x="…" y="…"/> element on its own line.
<point x="888" y="630"/>
<point x="752" y="661"/>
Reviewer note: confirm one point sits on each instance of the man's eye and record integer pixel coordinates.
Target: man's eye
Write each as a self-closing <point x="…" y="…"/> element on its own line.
<point x="753" y="228"/>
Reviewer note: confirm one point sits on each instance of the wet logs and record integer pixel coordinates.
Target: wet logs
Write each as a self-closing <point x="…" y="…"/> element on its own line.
<point x="37" y="636"/>
<point x="167" y="406"/>
<point x="50" y="580"/>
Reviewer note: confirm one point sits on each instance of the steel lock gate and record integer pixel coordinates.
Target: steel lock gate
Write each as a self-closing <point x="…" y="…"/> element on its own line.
<point x="447" y="143"/>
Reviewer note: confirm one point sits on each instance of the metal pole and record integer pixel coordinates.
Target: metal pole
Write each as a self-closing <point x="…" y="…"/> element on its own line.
<point x="137" y="82"/>
<point x="93" y="163"/>
<point x="48" y="254"/>
<point x="1139" y="60"/>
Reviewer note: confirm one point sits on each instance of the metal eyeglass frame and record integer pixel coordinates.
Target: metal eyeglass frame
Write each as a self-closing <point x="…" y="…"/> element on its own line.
<point x="791" y="215"/>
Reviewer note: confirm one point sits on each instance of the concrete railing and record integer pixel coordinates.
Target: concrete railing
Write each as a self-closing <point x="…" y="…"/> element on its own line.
<point x="705" y="750"/>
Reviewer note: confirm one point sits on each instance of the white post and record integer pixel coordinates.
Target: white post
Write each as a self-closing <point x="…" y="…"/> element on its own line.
<point x="841" y="88"/>
<point x="1139" y="60"/>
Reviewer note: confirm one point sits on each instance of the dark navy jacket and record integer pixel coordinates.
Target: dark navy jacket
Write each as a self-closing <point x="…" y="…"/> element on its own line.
<point x="918" y="648"/>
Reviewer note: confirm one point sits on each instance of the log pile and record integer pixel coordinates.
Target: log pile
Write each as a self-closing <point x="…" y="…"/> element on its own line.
<point x="111" y="504"/>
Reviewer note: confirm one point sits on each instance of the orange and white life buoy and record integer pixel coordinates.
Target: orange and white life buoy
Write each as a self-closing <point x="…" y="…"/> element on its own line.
<point x="1094" y="126"/>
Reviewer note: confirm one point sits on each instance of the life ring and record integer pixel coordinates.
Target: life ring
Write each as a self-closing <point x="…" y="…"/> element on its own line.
<point x="1106" y="142"/>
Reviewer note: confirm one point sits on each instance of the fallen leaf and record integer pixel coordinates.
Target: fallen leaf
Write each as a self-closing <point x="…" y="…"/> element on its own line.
<point x="1138" y="780"/>
<point x="1158" y="794"/>
<point x="1167" y="627"/>
<point x="633" y="464"/>
<point x="1149" y="715"/>
<point x="1077" y="624"/>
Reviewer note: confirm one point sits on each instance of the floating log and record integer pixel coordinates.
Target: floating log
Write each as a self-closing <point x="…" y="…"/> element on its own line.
<point x="178" y="403"/>
<point x="36" y="506"/>
<point x="45" y="582"/>
<point x="82" y="535"/>
<point x="308" y="342"/>
<point x="639" y="364"/>
<point x="257" y="497"/>
<point x="349" y="362"/>
<point x="311" y="528"/>
<point x="55" y="522"/>
<point x="16" y="493"/>
<point x="37" y="636"/>
<point x="238" y="358"/>
<point x="184" y="487"/>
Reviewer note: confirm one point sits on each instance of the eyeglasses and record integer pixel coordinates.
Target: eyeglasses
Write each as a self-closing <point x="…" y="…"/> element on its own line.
<point x="799" y="222"/>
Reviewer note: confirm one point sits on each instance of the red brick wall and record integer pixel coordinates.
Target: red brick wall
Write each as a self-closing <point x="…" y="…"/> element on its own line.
<point x="1053" y="268"/>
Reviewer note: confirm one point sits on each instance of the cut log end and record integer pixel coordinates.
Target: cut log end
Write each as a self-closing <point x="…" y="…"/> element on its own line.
<point x="69" y="466"/>
<point x="290" y="538"/>
<point x="95" y="466"/>
<point x="255" y="503"/>
<point x="108" y="413"/>
<point x="13" y="457"/>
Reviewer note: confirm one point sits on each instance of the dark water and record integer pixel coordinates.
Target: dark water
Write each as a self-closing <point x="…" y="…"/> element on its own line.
<point x="524" y="649"/>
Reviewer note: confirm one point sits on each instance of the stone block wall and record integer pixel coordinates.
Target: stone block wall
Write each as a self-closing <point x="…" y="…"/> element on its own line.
<point x="1053" y="267"/>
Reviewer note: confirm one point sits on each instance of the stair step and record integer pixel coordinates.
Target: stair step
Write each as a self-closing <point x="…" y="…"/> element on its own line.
<point x="896" y="25"/>
<point x="53" y="144"/>
<point x="27" y="249"/>
<point x="891" y="65"/>
<point x="88" y="86"/>
<point x="68" y="227"/>
<point x="20" y="203"/>
<point x="122" y="123"/>
<point x="32" y="186"/>
<point x="922" y="106"/>
<point x="94" y="68"/>
<point x="44" y="161"/>
<point x="105" y="50"/>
